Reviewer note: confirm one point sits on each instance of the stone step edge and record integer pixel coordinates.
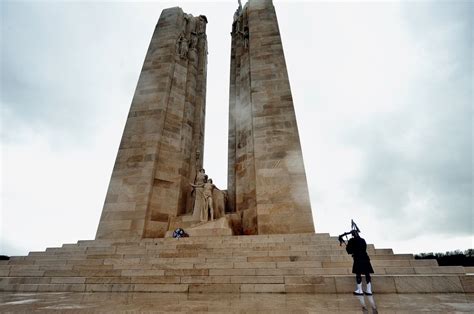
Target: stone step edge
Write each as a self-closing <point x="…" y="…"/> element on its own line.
<point x="85" y="271"/>
<point x="329" y="284"/>
<point x="246" y="237"/>
<point x="193" y="279"/>
<point x="278" y="238"/>
<point x="297" y="255"/>
<point x="192" y="247"/>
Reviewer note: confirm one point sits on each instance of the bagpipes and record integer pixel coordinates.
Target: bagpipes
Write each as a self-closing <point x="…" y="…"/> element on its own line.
<point x="345" y="234"/>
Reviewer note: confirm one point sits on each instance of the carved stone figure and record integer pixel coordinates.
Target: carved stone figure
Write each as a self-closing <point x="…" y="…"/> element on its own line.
<point x="207" y="197"/>
<point x="201" y="24"/>
<point x="246" y="37"/>
<point x="209" y="208"/>
<point x="238" y="11"/>
<point x="200" y="202"/>
<point x="187" y="17"/>
<point x="238" y="26"/>
<point x="193" y="41"/>
<point x="219" y="201"/>
<point x="182" y="46"/>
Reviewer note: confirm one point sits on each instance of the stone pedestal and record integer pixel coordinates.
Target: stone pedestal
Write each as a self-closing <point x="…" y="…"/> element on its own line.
<point x="218" y="227"/>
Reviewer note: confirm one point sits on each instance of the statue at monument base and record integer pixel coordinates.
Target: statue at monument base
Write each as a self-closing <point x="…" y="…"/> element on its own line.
<point x="200" y="201"/>
<point x="208" y="210"/>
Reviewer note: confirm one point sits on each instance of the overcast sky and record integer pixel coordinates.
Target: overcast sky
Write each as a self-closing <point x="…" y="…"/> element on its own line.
<point x="383" y="93"/>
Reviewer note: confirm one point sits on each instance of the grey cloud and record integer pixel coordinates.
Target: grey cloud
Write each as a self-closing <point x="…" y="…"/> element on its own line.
<point x="418" y="169"/>
<point x="47" y="80"/>
<point x="392" y="180"/>
<point x="423" y="155"/>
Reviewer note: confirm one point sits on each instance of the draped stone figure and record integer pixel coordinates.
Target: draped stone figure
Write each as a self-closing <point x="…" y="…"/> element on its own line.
<point x="182" y="46"/>
<point x="200" y="202"/>
<point x="209" y="208"/>
<point x="209" y="201"/>
<point x="193" y="41"/>
<point x="219" y="201"/>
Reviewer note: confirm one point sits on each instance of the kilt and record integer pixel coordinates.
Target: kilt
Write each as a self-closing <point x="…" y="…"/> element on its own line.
<point x="362" y="265"/>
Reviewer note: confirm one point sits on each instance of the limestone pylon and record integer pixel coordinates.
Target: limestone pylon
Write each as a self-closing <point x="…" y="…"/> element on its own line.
<point x="158" y="157"/>
<point x="266" y="175"/>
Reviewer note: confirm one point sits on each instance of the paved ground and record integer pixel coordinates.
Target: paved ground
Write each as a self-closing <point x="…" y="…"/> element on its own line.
<point x="241" y="303"/>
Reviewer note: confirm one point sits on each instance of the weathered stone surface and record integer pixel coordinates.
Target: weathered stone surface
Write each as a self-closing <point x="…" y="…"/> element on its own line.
<point x="223" y="264"/>
<point x="117" y="302"/>
<point x="160" y="288"/>
<point x="165" y="127"/>
<point x="214" y="288"/>
<point x="467" y="283"/>
<point x="217" y="227"/>
<point x="262" y="288"/>
<point x="266" y="176"/>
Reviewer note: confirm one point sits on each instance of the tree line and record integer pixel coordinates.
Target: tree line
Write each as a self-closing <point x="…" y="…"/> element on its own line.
<point x="452" y="258"/>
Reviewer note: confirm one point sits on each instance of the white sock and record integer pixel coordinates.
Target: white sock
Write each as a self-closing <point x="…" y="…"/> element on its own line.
<point x="359" y="288"/>
<point x="369" y="288"/>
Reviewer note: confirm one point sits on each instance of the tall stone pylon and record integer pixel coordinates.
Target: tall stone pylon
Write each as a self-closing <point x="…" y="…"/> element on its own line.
<point x="163" y="140"/>
<point x="266" y="176"/>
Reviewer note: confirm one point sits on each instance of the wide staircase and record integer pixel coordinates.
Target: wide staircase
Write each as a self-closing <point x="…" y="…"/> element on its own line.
<point x="300" y="263"/>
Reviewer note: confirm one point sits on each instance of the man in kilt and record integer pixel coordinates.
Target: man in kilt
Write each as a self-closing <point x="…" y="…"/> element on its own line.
<point x="358" y="248"/>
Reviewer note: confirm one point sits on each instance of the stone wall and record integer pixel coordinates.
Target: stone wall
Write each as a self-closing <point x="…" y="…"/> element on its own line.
<point x="266" y="179"/>
<point x="165" y="128"/>
<point x="241" y="176"/>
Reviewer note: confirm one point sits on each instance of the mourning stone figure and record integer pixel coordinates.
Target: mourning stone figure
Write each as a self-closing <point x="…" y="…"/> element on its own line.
<point x="201" y="23"/>
<point x="237" y="12"/>
<point x="246" y="37"/>
<point x="209" y="208"/>
<point x="200" y="202"/>
<point x="182" y="46"/>
<point x="219" y="201"/>
<point x="194" y="41"/>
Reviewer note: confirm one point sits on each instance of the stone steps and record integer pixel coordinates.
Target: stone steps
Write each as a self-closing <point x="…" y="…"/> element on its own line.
<point x="204" y="258"/>
<point x="381" y="266"/>
<point x="247" y="284"/>
<point x="212" y="273"/>
<point x="220" y="269"/>
<point x="270" y="263"/>
<point x="203" y="253"/>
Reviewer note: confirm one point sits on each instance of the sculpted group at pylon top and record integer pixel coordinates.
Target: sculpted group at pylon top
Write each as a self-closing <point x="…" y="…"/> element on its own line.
<point x="157" y="183"/>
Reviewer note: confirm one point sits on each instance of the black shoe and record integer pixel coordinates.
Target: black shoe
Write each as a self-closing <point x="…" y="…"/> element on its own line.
<point x="357" y="293"/>
<point x="366" y="293"/>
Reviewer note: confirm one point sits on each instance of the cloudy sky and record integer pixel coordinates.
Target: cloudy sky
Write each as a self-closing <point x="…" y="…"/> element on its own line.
<point x="383" y="94"/>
